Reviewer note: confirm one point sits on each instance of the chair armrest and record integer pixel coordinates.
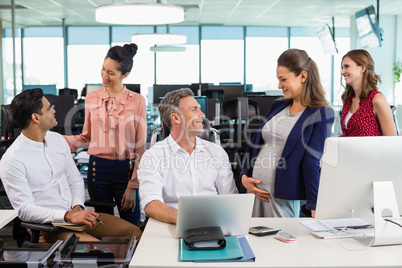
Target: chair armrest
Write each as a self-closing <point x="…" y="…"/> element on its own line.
<point x="45" y="227"/>
<point x="95" y="203"/>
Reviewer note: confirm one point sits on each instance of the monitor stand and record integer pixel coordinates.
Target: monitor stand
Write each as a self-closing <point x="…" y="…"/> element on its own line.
<point x="385" y="207"/>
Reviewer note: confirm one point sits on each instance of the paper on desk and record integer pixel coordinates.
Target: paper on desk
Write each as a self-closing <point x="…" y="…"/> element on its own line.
<point x="82" y="157"/>
<point x="335" y="224"/>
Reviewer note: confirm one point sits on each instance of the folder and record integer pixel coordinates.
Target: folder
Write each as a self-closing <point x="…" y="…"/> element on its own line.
<point x="248" y="254"/>
<point x="232" y="251"/>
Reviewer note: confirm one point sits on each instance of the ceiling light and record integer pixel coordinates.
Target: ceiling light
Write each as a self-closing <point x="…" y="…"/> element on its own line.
<point x="167" y="49"/>
<point x="139" y="14"/>
<point x="159" y="39"/>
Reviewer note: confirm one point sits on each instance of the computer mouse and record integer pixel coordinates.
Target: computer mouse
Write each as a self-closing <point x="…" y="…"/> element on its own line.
<point x="286" y="237"/>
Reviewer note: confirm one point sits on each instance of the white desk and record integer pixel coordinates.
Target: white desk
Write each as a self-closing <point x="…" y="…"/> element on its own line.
<point x="7" y="215"/>
<point x="158" y="248"/>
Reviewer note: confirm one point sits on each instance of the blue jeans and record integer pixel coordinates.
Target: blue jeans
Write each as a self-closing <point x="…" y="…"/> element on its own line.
<point x="107" y="181"/>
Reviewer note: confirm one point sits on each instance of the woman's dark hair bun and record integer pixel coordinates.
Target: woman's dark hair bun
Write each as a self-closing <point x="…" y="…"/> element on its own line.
<point x="132" y="48"/>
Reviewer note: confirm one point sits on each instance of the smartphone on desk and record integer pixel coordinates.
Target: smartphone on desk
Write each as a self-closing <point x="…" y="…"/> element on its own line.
<point x="263" y="230"/>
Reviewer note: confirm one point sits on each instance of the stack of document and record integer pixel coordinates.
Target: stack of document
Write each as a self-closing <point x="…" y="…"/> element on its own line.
<point x="236" y="250"/>
<point x="82" y="157"/>
<point x="335" y="224"/>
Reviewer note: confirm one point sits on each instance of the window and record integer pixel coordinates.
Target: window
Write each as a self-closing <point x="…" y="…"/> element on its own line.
<point x="43" y="56"/>
<point x="179" y="67"/>
<point x="8" y="82"/>
<point x="222" y="54"/>
<point x="86" y="50"/>
<point x="263" y="47"/>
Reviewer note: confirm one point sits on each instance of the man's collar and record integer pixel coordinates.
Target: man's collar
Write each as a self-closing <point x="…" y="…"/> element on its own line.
<point x="176" y="147"/>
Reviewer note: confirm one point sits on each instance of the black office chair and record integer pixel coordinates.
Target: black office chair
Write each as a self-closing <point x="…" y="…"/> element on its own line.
<point x="218" y="94"/>
<point x="9" y="128"/>
<point x="69" y="91"/>
<point x="240" y="119"/>
<point x="64" y="106"/>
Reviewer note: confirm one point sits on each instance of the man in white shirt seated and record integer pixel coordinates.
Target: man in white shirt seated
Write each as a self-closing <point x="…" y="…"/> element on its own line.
<point x="41" y="179"/>
<point x="181" y="164"/>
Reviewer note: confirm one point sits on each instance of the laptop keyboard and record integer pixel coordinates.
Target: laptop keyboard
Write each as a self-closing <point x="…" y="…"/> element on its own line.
<point x="347" y="233"/>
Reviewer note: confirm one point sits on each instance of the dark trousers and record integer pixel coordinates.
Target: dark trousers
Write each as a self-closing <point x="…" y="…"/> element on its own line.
<point x="107" y="181"/>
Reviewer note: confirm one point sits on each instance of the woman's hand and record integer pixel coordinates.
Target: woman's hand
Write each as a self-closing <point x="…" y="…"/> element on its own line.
<point x="313" y="213"/>
<point x="128" y="200"/>
<point x="251" y="186"/>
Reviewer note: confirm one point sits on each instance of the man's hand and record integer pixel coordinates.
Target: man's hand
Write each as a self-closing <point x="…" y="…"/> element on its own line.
<point x="87" y="217"/>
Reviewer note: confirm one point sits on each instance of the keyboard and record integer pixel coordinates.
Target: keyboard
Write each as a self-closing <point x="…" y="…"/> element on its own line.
<point x="347" y="233"/>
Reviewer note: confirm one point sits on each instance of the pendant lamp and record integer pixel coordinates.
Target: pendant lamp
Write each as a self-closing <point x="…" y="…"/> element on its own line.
<point x="159" y="39"/>
<point x="139" y="14"/>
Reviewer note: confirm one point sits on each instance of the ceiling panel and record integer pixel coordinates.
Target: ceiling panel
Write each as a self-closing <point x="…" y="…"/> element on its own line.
<point x="309" y="13"/>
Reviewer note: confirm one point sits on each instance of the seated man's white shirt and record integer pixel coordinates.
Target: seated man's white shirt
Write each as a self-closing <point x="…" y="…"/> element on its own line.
<point x="41" y="178"/>
<point x="167" y="171"/>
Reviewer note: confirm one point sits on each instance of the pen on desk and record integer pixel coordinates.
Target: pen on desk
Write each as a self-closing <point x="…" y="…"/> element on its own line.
<point x="98" y="220"/>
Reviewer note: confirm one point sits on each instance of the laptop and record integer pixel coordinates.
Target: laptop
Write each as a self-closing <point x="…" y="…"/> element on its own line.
<point x="231" y="212"/>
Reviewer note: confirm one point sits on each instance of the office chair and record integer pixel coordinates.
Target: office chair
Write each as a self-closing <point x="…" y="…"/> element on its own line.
<point x="64" y="106"/>
<point x="209" y="134"/>
<point x="240" y="118"/>
<point x="69" y="91"/>
<point x="218" y="94"/>
<point x="393" y="110"/>
<point x="9" y="128"/>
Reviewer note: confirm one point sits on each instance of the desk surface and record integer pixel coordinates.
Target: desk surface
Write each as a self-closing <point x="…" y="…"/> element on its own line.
<point x="158" y="248"/>
<point x="7" y="215"/>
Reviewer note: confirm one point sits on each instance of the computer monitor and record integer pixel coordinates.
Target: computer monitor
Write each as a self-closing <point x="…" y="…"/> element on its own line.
<point x="368" y="28"/>
<point x="231" y="91"/>
<point x="356" y="177"/>
<point x="327" y="40"/>
<point x="160" y="91"/>
<point x="47" y="89"/>
<point x="89" y="88"/>
<point x="348" y="168"/>
<point x="134" y="87"/>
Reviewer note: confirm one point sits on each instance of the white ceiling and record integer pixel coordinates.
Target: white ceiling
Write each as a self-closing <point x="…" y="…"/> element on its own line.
<point x="309" y="13"/>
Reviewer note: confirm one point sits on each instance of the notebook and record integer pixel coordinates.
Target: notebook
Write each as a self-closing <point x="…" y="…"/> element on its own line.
<point x="230" y="212"/>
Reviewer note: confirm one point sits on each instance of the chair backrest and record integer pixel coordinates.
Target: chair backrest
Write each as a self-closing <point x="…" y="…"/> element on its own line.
<point x="63" y="105"/>
<point x="9" y="128"/>
<point x="393" y="110"/>
<point x="235" y="114"/>
<point x="68" y="91"/>
<point x="264" y="102"/>
<point x="241" y="108"/>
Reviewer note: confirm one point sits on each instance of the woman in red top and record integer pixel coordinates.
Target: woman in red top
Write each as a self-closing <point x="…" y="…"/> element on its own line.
<point x="365" y="110"/>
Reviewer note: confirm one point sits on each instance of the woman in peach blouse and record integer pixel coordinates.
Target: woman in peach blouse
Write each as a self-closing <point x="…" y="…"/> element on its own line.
<point x="115" y="134"/>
